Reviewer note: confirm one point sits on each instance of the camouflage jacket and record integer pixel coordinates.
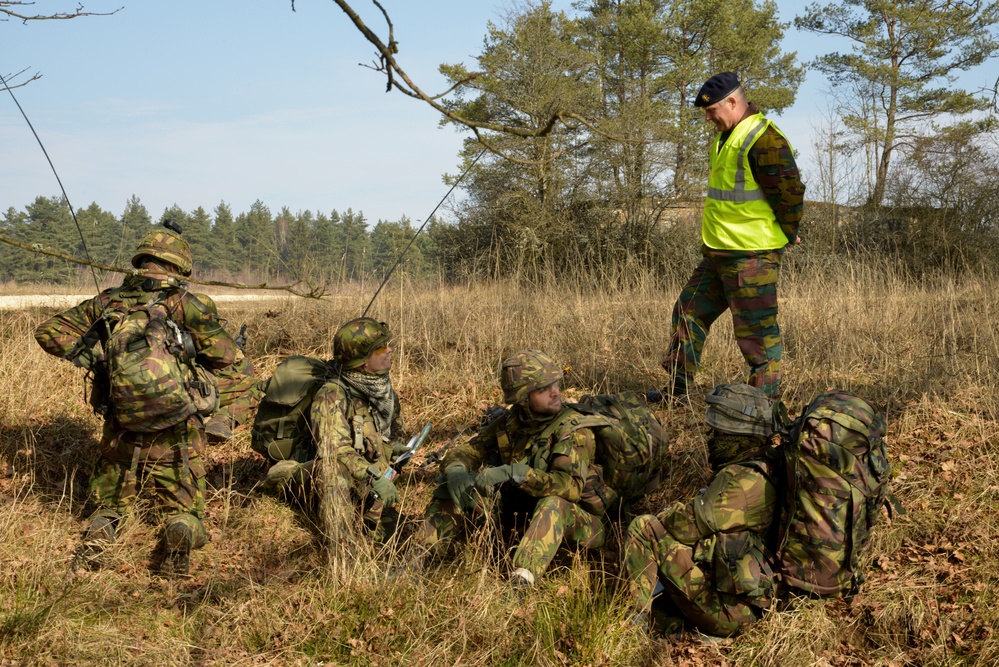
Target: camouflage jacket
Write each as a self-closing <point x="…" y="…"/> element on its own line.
<point x="728" y="525"/>
<point x="196" y="313"/>
<point x="335" y="412"/>
<point x="559" y="464"/>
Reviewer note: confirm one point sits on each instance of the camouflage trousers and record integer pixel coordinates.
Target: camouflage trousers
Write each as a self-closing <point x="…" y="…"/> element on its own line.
<point x="339" y="498"/>
<point x="552" y="521"/>
<point x="167" y="463"/>
<point x="652" y="555"/>
<point x="239" y="391"/>
<point x="747" y="285"/>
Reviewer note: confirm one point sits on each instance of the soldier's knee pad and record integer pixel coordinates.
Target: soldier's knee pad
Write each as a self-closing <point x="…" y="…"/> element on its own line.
<point x="644" y="526"/>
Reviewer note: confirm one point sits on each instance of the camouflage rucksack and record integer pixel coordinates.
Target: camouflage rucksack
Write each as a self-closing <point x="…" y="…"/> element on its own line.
<point x="631" y="446"/>
<point x="281" y="427"/>
<point x="835" y="482"/>
<point x="631" y="443"/>
<point x="154" y="382"/>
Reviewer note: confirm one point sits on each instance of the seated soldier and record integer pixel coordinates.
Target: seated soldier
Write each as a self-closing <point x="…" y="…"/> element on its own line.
<point x="712" y="555"/>
<point x="137" y="445"/>
<point x="354" y="420"/>
<point x="539" y="461"/>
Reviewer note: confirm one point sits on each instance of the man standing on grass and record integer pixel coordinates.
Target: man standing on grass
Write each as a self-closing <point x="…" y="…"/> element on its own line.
<point x="165" y="345"/>
<point x="356" y="426"/>
<point x="751" y="213"/>
<point x="711" y="556"/>
<point x="540" y="462"/>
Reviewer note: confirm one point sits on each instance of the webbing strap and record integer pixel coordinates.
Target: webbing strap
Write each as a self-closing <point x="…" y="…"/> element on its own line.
<point x="358" y="422"/>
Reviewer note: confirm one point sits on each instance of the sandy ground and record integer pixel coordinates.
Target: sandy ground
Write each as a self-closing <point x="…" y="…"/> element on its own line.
<point x="67" y="300"/>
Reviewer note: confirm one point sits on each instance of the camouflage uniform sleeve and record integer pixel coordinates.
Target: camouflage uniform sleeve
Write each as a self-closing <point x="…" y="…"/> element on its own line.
<point x="772" y="162"/>
<point x="216" y="348"/>
<point x="474" y="453"/>
<point x="332" y="430"/>
<point x="58" y="334"/>
<point x="569" y="466"/>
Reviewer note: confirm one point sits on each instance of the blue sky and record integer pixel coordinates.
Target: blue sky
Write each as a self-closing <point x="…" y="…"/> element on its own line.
<point x="191" y="102"/>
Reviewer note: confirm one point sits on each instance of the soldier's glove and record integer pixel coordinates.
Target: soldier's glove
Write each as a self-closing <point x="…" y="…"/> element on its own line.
<point x="281" y="473"/>
<point x="85" y="358"/>
<point x="490" y="477"/>
<point x="459" y="487"/>
<point x="399" y="448"/>
<point x="385" y="490"/>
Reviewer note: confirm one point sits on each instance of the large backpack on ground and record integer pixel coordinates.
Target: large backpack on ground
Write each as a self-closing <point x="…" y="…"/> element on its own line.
<point x="153" y="380"/>
<point x="281" y="427"/>
<point x="836" y="474"/>
<point x="631" y="443"/>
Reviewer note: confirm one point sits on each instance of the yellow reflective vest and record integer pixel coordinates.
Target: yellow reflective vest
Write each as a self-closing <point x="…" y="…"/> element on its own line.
<point x="736" y="214"/>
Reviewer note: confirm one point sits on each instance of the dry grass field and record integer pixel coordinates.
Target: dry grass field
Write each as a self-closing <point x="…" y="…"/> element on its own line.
<point x="262" y="592"/>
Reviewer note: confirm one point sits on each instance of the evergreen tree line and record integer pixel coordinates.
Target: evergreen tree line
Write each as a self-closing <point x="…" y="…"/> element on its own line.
<point x="906" y="159"/>
<point x="318" y="249"/>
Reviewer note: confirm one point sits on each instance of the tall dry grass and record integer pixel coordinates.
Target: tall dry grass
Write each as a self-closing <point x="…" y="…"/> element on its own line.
<point x="263" y="592"/>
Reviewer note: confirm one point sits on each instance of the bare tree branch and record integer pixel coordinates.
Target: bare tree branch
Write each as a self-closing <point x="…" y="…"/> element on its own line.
<point x="400" y="80"/>
<point x="11" y="77"/>
<point x="7" y="13"/>
<point x="312" y="291"/>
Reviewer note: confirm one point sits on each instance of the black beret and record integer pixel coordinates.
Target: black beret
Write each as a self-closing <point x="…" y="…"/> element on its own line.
<point x="716" y="89"/>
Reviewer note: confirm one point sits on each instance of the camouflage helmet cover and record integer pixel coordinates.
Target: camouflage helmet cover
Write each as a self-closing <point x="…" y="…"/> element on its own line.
<point x="165" y="245"/>
<point x="354" y="342"/>
<point x="739" y="409"/>
<point x="525" y="372"/>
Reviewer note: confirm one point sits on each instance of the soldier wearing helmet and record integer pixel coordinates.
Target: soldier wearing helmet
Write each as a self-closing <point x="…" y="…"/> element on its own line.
<point x="539" y="462"/>
<point x="710" y="556"/>
<point x="164" y="251"/>
<point x="171" y="458"/>
<point x="356" y="424"/>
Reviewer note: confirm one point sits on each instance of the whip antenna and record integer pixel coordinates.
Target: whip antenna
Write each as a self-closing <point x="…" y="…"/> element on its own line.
<point x="83" y="240"/>
<point x="412" y="240"/>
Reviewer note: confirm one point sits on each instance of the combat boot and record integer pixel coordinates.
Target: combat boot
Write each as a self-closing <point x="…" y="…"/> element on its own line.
<point x="675" y="394"/>
<point x="218" y="429"/>
<point x="178" y="542"/>
<point x="100" y="534"/>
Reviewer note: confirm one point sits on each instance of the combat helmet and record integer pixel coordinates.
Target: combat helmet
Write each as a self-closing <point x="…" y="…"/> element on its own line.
<point x="741" y="419"/>
<point x="354" y="342"/>
<point x="165" y="244"/>
<point x="739" y="409"/>
<point x="525" y="372"/>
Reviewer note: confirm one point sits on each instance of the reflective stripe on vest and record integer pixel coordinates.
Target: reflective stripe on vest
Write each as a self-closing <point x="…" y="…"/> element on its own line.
<point x="736" y="213"/>
<point x="739" y="192"/>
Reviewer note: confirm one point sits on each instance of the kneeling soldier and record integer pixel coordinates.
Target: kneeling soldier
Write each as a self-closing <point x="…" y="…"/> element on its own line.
<point x="145" y="438"/>
<point x="711" y="555"/>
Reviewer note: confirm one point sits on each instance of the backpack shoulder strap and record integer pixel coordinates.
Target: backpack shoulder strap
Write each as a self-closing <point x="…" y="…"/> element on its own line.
<point x="568" y="423"/>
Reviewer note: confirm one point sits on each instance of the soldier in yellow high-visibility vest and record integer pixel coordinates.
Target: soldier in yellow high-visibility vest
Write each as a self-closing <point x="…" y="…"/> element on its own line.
<point x="752" y="211"/>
